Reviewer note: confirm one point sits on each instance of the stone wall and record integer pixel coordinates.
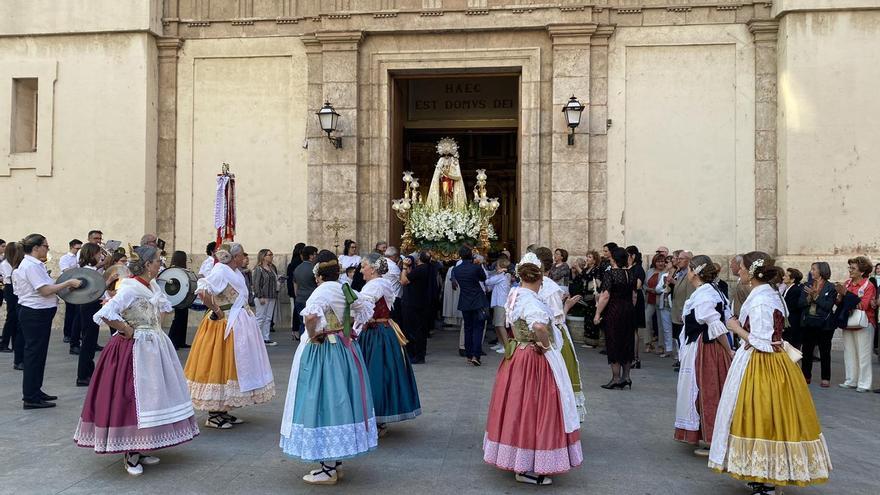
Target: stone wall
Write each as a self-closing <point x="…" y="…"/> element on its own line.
<point x="100" y="127"/>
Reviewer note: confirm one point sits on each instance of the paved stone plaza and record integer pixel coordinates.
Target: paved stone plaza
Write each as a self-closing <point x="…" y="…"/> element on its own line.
<point x="627" y="440"/>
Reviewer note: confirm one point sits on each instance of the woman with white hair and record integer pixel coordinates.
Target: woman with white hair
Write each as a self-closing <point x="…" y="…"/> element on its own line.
<point x="227" y="366"/>
<point x="137" y="399"/>
<point x="395" y="395"/>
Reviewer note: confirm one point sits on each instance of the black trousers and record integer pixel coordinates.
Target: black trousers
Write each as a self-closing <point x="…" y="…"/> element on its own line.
<point x="473" y="333"/>
<point x="794" y="335"/>
<point x="676" y="332"/>
<point x="10" y="328"/>
<point x="86" y="365"/>
<point x="811" y="338"/>
<point x="72" y="325"/>
<point x="36" y="325"/>
<point x="177" y="332"/>
<point x="416" y="330"/>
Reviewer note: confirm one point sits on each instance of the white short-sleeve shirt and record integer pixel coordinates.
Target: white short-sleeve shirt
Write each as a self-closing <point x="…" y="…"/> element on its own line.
<point x="30" y="275"/>
<point x="68" y="261"/>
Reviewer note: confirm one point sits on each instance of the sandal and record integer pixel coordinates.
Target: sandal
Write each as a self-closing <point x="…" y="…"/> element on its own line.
<point x="383" y="430"/>
<point x="338" y="467"/>
<point x="217" y="420"/>
<point x="132" y="463"/>
<point x="232" y="419"/>
<point x="325" y="476"/>
<point x="533" y="479"/>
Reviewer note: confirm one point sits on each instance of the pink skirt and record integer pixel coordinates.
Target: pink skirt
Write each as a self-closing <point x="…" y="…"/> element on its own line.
<point x="108" y="422"/>
<point x="525" y="431"/>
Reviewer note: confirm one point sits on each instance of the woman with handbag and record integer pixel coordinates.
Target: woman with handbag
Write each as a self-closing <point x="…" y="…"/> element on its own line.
<point x="817" y="321"/>
<point x="858" y="336"/>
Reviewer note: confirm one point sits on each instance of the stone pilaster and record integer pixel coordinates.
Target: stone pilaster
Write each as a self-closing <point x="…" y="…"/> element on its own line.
<point x="765" y="33"/>
<point x="598" y="156"/>
<point x="333" y="63"/>
<point x="166" y="159"/>
<point x="570" y="172"/>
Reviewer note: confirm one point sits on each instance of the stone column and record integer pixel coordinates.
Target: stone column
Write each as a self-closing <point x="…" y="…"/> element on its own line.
<point x="765" y="33"/>
<point x="570" y="172"/>
<point x="166" y="159"/>
<point x="598" y="212"/>
<point x="333" y="63"/>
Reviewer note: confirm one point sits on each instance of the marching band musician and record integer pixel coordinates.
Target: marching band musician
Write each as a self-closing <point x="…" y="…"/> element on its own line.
<point x="37" y="305"/>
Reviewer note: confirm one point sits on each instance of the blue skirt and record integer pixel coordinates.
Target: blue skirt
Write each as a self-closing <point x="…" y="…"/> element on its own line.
<point x="332" y="417"/>
<point x="395" y="395"/>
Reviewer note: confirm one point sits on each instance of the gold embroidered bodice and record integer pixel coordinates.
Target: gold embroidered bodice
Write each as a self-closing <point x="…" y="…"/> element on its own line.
<point x="524" y="335"/>
<point x="141" y="315"/>
<point x="333" y="323"/>
<point x="227" y="297"/>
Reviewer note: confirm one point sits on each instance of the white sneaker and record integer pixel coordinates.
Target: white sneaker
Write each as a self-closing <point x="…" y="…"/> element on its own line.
<point x="846" y="385"/>
<point x="702" y="452"/>
<point x="270" y="343"/>
<point x="496" y="347"/>
<point x="132" y="464"/>
<point x="500" y="351"/>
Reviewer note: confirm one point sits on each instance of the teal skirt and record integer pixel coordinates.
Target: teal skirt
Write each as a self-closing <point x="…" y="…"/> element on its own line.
<point x="333" y="416"/>
<point x="392" y="381"/>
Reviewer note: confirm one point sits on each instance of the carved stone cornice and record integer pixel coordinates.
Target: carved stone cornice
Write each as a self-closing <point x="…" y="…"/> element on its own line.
<point x="571" y="34"/>
<point x="339" y="40"/>
<point x="168" y="47"/>
<point x="764" y="29"/>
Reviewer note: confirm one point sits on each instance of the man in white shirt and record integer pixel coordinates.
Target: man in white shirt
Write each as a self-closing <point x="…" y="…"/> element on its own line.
<point x="70" y="260"/>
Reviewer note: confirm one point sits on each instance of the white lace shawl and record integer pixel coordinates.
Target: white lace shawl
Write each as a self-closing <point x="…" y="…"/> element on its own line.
<point x="376" y="289"/>
<point x="220" y="276"/>
<point x="551" y="293"/>
<point x="703" y="302"/>
<point x="328" y="296"/>
<point x="129" y="291"/>
<point x="758" y="308"/>
<point x="524" y="304"/>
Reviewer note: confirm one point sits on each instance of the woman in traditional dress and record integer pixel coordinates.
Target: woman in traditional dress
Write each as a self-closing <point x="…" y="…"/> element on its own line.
<point x="533" y="428"/>
<point x="552" y="295"/>
<point x="328" y="414"/>
<point x="137" y="399"/>
<point x="766" y="430"/>
<point x="615" y="310"/>
<point x="227" y="366"/>
<point x="392" y="381"/>
<point x="705" y="356"/>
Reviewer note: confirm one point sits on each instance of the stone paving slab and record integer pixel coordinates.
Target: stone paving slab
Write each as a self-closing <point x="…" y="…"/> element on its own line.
<point x="627" y="439"/>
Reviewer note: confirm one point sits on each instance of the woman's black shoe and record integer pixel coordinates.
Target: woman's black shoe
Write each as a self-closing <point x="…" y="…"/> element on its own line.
<point x="626" y="383"/>
<point x="612" y="385"/>
<point x="637" y="364"/>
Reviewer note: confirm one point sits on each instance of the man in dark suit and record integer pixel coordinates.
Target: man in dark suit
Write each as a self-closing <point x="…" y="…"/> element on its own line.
<point x="471" y="302"/>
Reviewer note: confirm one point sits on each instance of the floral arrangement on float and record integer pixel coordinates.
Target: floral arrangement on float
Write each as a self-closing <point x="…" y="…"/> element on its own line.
<point x="445" y="220"/>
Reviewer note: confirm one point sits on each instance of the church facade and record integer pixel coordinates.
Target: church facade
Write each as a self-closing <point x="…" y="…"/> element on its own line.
<point x="720" y="126"/>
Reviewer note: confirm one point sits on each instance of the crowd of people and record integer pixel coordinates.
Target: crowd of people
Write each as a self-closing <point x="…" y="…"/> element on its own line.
<point x="362" y="322"/>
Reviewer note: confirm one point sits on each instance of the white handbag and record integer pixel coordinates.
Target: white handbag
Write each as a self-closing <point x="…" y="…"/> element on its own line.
<point x="858" y="319"/>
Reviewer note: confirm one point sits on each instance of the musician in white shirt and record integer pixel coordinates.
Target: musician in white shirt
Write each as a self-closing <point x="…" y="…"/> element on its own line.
<point x="37" y="304"/>
<point x="70" y="260"/>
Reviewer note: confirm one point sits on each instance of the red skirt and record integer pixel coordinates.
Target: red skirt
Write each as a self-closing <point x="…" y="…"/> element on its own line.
<point x="525" y="431"/>
<point x="711" y="366"/>
<point x="108" y="422"/>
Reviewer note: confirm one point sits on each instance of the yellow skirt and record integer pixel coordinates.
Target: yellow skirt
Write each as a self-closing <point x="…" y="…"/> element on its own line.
<point x="211" y="374"/>
<point x="775" y="436"/>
